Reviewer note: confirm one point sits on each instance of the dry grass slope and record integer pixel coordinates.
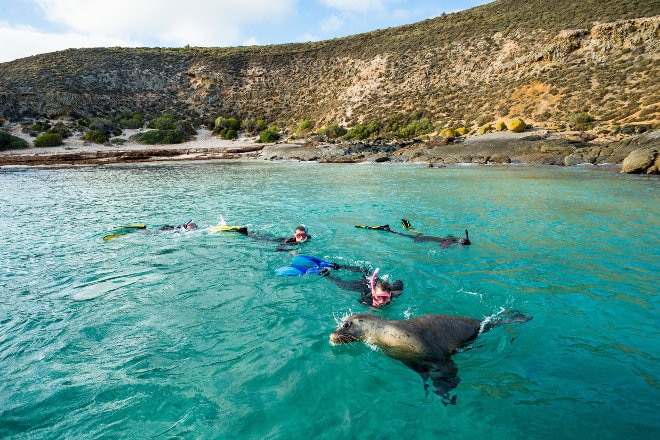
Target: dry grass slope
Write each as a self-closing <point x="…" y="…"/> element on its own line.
<point x="508" y="58"/>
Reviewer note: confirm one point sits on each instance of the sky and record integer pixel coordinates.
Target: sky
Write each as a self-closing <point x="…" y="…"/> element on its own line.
<point x="31" y="27"/>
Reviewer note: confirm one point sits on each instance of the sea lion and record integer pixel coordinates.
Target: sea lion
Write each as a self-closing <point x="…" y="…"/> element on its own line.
<point x="424" y="344"/>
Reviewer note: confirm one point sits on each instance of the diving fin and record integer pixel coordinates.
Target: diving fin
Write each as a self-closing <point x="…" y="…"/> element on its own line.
<point x="310" y="262"/>
<point x="226" y="228"/>
<point x="406" y="225"/>
<point x="138" y="226"/>
<point x="380" y="228"/>
<point x="111" y="236"/>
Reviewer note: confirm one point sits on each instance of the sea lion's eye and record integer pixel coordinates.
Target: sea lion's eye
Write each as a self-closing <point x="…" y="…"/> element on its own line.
<point x="346" y="325"/>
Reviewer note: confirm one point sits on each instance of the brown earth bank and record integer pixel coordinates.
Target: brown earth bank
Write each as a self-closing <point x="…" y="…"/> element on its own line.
<point x="634" y="154"/>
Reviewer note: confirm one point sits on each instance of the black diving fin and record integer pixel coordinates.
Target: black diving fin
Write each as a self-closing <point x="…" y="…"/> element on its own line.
<point x="380" y="228"/>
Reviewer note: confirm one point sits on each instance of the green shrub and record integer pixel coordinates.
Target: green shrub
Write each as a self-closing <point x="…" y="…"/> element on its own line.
<point x="104" y="126"/>
<point x="129" y="119"/>
<point x="48" y="140"/>
<point x="227" y="128"/>
<point x="96" y="136"/>
<point x="415" y="128"/>
<point x="9" y="142"/>
<point x="333" y="131"/>
<point x="61" y="129"/>
<point x="228" y="133"/>
<point x="269" y="135"/>
<point x="363" y="131"/>
<point x="152" y="137"/>
<point x="581" y="122"/>
<point x="304" y="127"/>
<point x="163" y="122"/>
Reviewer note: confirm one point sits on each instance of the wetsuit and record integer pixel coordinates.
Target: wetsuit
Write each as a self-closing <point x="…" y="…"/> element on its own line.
<point x="362" y="286"/>
<point x="444" y="241"/>
<point x="172" y="228"/>
<point x="291" y="241"/>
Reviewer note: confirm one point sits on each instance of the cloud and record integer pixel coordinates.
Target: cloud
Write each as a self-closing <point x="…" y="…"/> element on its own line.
<point x="195" y="22"/>
<point x="139" y="23"/>
<point x="28" y="41"/>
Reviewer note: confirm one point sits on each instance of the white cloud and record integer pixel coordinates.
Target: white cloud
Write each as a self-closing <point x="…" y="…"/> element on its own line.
<point x="131" y="23"/>
<point x="195" y="22"/>
<point x="27" y="41"/>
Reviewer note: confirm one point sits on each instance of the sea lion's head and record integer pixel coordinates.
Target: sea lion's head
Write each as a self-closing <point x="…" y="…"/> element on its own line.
<point x="354" y="328"/>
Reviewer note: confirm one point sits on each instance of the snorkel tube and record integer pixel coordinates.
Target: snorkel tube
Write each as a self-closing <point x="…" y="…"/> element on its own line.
<point x="373" y="278"/>
<point x="375" y="295"/>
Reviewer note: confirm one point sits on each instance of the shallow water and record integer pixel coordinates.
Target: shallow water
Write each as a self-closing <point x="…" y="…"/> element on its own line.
<point x="191" y="335"/>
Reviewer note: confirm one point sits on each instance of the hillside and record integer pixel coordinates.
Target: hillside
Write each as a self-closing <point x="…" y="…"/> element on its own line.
<point x="508" y="58"/>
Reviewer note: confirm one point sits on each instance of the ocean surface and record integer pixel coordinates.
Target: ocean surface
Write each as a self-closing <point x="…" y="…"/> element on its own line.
<point x="161" y="335"/>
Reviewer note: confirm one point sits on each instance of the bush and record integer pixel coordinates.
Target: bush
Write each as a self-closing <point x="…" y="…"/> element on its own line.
<point x="363" y="131"/>
<point x="415" y="128"/>
<point x="104" y="126"/>
<point x="304" y="127"/>
<point x="96" y="136"/>
<point x="333" y="131"/>
<point x="9" y="142"/>
<point x="252" y="126"/>
<point x="129" y="119"/>
<point x="228" y="133"/>
<point x="227" y="128"/>
<point x="269" y="135"/>
<point x="48" y="140"/>
<point x="61" y="129"/>
<point x="152" y="137"/>
<point x="581" y="122"/>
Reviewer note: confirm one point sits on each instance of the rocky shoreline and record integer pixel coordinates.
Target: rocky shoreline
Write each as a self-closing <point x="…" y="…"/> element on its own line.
<point x="635" y="154"/>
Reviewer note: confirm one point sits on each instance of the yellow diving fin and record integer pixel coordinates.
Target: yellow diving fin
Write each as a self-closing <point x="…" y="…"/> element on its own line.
<point x="406" y="225"/>
<point x="226" y="228"/>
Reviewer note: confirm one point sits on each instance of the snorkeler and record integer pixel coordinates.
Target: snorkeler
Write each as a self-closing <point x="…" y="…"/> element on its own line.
<point x="189" y="225"/>
<point x="300" y="236"/>
<point x="419" y="237"/>
<point x="374" y="293"/>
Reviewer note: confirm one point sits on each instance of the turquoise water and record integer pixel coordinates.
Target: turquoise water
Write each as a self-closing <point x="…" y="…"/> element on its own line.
<point x="191" y="335"/>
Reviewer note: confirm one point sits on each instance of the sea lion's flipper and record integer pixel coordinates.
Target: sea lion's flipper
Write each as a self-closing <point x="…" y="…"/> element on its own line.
<point x="443" y="373"/>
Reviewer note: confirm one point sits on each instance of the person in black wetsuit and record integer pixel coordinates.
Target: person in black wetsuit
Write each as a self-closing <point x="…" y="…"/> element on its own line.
<point x="300" y="236"/>
<point x="444" y="241"/>
<point x="372" y="293"/>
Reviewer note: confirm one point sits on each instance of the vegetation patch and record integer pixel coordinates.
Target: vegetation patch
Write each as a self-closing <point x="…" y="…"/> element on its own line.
<point x="152" y="137"/>
<point x="48" y="140"/>
<point x="96" y="136"/>
<point x="269" y="135"/>
<point x="10" y="142"/>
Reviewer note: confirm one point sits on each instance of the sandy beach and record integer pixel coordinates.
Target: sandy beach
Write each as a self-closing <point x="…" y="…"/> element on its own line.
<point x="76" y="150"/>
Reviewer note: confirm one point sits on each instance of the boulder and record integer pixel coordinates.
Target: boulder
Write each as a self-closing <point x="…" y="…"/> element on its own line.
<point x="516" y="125"/>
<point x="486" y="128"/>
<point x="640" y="161"/>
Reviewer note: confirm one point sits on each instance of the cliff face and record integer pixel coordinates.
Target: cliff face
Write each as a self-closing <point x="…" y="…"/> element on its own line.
<point x="491" y="62"/>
